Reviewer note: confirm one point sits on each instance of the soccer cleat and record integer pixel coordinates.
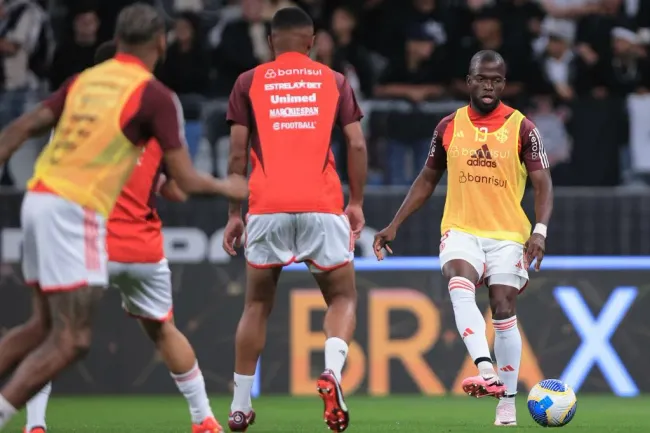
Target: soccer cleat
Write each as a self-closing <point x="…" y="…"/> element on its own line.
<point x="239" y="421"/>
<point x="337" y="417"/>
<point x="481" y="386"/>
<point x="506" y="413"/>
<point x="209" y="425"/>
<point x="35" y="430"/>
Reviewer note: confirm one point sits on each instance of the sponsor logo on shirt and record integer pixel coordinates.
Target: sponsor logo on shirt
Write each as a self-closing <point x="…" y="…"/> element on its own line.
<point x="482" y="158"/>
<point x="274" y="73"/>
<point x="292" y="99"/>
<point x="486" y="180"/>
<point x="296" y="85"/>
<point x="455" y="151"/>
<point x="291" y="126"/>
<point x="293" y="112"/>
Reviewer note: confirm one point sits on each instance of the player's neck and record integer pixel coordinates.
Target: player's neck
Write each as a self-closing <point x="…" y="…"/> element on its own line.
<point x="290" y="52"/>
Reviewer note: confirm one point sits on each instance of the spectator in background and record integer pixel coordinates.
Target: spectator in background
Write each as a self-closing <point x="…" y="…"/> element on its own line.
<point x="186" y="71"/>
<point x="421" y="75"/>
<point x="243" y="45"/>
<point x="21" y="25"/>
<point x="629" y="67"/>
<point x="557" y="62"/>
<point x="351" y="58"/>
<point x="77" y="53"/>
<point x="594" y="47"/>
<point x="488" y="35"/>
<point x="272" y="6"/>
<point x="186" y="67"/>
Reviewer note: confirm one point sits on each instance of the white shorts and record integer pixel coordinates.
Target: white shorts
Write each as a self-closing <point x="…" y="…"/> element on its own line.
<point x="64" y="244"/>
<point x="146" y="289"/>
<point x="322" y="240"/>
<point x="496" y="262"/>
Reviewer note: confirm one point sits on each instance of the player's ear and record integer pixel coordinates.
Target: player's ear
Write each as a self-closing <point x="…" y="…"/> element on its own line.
<point x="468" y="80"/>
<point x="311" y="44"/>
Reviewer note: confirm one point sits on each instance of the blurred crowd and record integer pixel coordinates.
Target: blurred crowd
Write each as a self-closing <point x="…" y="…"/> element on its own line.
<point x="557" y="51"/>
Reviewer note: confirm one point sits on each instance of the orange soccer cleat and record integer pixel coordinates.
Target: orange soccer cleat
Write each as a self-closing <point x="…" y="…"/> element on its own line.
<point x="209" y="425"/>
<point x="336" y="412"/>
<point x="35" y="430"/>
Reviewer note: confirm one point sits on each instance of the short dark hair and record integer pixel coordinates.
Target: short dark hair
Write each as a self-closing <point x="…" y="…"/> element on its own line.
<point x="138" y="24"/>
<point x="105" y="51"/>
<point x="291" y="18"/>
<point x="484" y="56"/>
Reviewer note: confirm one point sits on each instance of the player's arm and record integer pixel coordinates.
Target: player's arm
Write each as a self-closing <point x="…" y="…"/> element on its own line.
<point x="35" y="123"/>
<point x="534" y="157"/>
<point x="165" y="117"/>
<point x="422" y="188"/>
<point x="429" y="177"/>
<point x="32" y="124"/>
<point x="349" y="119"/>
<point x="238" y="160"/>
<point x="239" y="119"/>
<point x="169" y="190"/>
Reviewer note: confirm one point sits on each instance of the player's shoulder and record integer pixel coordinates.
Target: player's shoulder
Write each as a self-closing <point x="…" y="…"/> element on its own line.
<point x="445" y="121"/>
<point x="155" y="93"/>
<point x="245" y="79"/>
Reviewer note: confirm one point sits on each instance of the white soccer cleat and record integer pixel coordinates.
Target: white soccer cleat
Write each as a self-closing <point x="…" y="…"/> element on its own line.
<point x="506" y="413"/>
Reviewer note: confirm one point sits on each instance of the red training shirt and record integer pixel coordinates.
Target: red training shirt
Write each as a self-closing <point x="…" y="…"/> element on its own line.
<point x="291" y="106"/>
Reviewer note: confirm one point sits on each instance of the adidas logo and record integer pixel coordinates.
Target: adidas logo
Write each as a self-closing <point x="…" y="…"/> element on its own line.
<point x="507" y="368"/>
<point x="467" y="332"/>
<point x="482" y="158"/>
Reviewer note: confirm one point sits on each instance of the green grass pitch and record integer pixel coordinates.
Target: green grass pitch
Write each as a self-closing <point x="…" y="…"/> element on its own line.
<point x="168" y="414"/>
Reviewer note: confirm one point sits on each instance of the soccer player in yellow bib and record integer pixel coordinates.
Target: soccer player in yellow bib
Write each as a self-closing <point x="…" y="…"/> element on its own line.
<point x="103" y="117"/>
<point x="488" y="149"/>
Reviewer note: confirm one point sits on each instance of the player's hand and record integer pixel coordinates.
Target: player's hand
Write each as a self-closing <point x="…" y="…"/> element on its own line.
<point x="356" y="218"/>
<point x="235" y="187"/>
<point x="383" y="240"/>
<point x="232" y="235"/>
<point x="534" y="249"/>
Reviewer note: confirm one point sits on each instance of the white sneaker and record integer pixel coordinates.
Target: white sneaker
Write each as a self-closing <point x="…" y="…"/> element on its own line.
<point x="506" y="412"/>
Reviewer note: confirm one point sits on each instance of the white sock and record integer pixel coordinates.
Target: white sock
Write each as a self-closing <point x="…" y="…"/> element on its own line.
<point x="37" y="407"/>
<point x="192" y="386"/>
<point x="336" y="352"/>
<point x="507" y="349"/>
<point x="470" y="322"/>
<point x="241" y="400"/>
<point x="7" y="411"/>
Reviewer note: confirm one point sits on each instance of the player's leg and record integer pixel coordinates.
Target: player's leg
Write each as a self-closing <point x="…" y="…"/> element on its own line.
<point x="72" y="275"/>
<point x="326" y="243"/>
<point x="463" y="262"/>
<point x="16" y="344"/>
<point x="269" y="246"/>
<point x="36" y="410"/>
<point x="506" y="277"/>
<point x="68" y="341"/>
<point x="20" y="340"/>
<point x="146" y="291"/>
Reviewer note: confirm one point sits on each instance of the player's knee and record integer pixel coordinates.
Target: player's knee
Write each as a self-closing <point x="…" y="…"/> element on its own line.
<point x="158" y="330"/>
<point x="502" y="307"/>
<point x="73" y="343"/>
<point x="258" y="309"/>
<point x="37" y="326"/>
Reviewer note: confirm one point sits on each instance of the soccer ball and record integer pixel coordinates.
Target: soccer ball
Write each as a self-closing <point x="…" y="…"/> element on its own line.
<point x="552" y="403"/>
